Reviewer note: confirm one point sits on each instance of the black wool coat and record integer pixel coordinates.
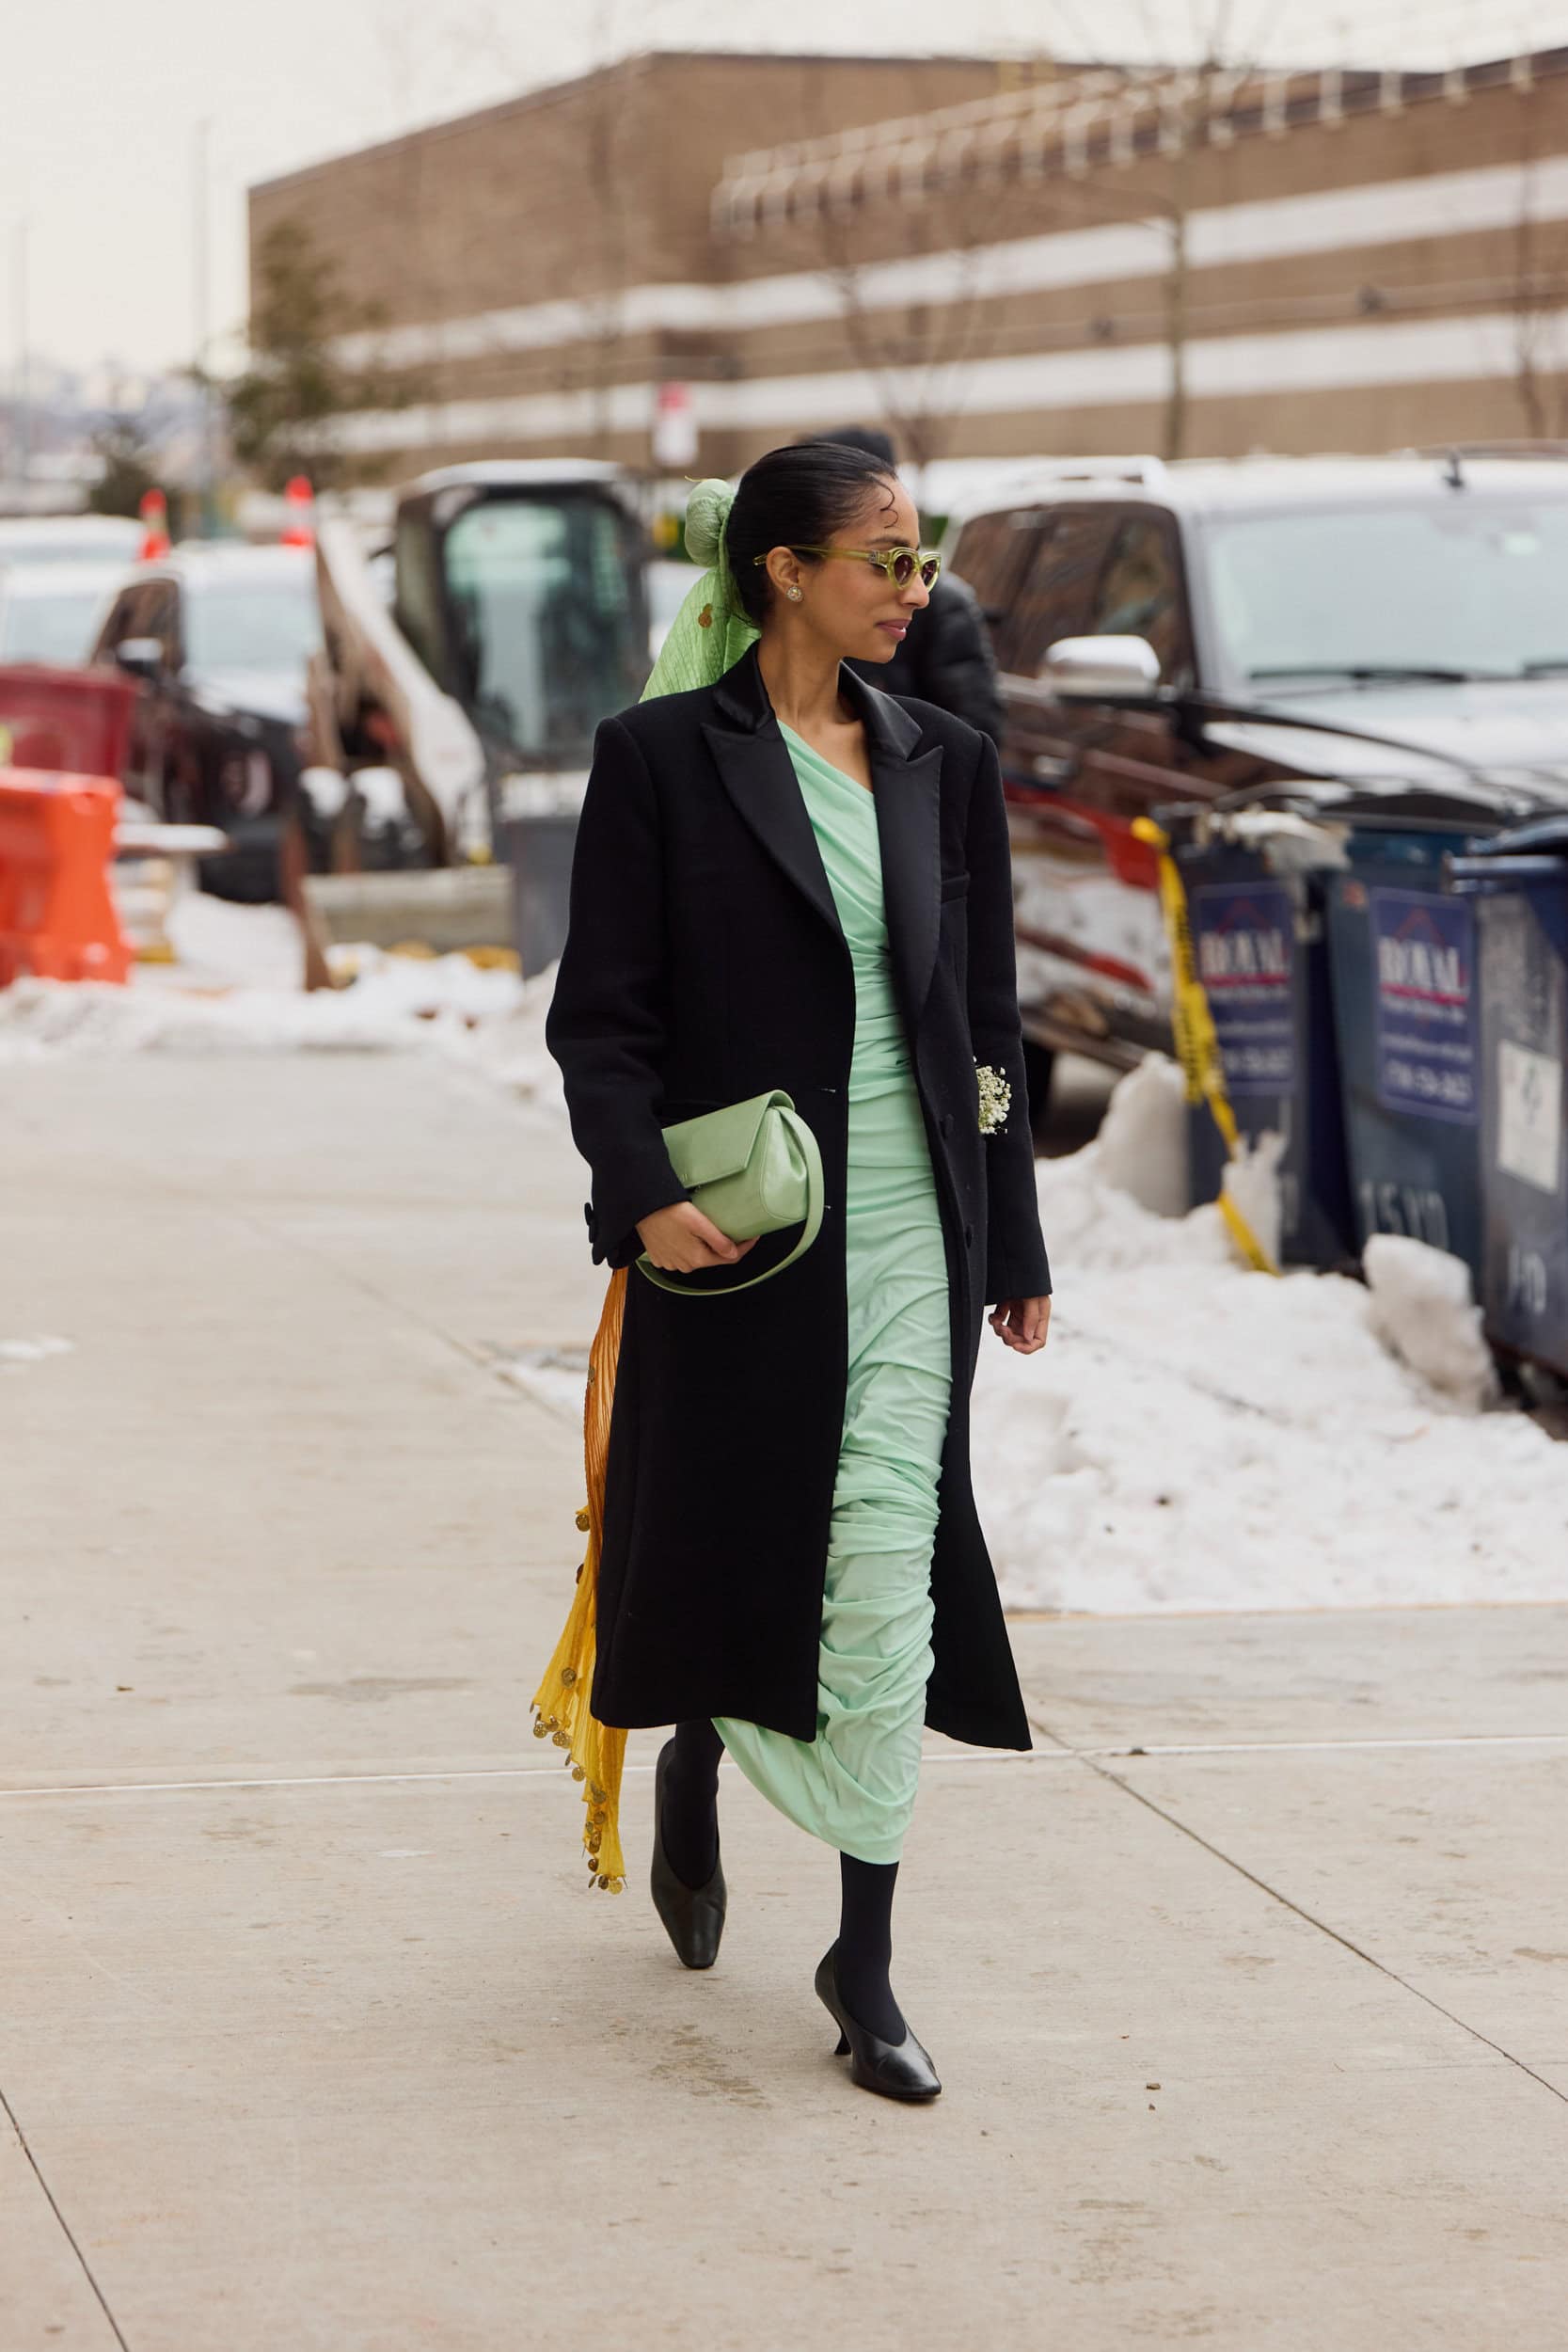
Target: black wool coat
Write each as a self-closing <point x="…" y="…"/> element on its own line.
<point x="703" y="963"/>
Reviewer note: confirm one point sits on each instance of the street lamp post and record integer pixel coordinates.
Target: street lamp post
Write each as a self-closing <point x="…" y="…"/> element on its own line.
<point x="21" y="405"/>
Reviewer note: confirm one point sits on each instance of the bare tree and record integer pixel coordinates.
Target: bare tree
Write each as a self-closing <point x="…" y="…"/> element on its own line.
<point x="284" y="404"/>
<point x="1160" y="116"/>
<point x="487" y="40"/>
<point x="915" y="350"/>
<point x="1540" y="297"/>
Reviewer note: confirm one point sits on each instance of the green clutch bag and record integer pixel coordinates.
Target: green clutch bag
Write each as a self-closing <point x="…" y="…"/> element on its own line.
<point x="754" y="1168"/>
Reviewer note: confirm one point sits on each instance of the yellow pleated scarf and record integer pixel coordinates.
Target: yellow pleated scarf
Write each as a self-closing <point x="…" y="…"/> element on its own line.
<point x="561" y="1702"/>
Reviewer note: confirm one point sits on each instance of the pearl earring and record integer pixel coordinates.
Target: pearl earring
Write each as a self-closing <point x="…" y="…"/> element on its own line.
<point x="795" y="596"/>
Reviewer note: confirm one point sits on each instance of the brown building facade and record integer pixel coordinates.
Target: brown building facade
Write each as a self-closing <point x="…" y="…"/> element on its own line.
<point x="996" y="263"/>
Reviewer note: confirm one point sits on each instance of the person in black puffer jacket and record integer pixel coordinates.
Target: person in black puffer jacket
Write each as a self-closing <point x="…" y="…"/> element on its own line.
<point x="946" y="658"/>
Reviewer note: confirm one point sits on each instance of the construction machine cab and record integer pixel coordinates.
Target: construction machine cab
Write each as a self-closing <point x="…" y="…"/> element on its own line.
<point x="519" y="584"/>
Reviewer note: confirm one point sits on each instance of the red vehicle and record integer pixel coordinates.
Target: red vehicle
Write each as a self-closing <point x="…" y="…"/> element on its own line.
<point x="73" y="720"/>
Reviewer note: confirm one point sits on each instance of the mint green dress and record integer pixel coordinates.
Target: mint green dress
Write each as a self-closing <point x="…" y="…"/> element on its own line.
<point x="854" y="1785"/>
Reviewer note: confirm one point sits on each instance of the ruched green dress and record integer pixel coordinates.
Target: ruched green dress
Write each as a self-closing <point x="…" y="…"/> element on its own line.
<point x="854" y="1785"/>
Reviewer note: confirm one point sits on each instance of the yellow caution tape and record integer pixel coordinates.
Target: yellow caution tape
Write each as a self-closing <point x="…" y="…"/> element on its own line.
<point x="1197" y="1046"/>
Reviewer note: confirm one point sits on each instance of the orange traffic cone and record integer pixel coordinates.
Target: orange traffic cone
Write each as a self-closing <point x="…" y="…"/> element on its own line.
<point x="154" y="511"/>
<point x="299" y="498"/>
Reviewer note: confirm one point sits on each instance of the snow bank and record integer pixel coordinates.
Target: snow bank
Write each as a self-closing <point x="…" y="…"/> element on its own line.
<point x="1143" y="1136"/>
<point x="14" y="1354"/>
<point x="1197" y="1436"/>
<point x="39" y="1018"/>
<point x="1422" y="1309"/>
<point x="237" y="989"/>
<point x="219" y="942"/>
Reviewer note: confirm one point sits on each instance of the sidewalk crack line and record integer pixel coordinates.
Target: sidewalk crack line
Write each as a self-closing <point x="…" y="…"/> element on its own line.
<point x="70" y="2238"/>
<point x="1309" y="1918"/>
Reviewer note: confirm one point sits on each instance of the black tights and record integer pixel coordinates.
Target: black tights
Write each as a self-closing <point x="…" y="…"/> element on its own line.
<point x="865" y="1946"/>
<point x="689" y="1822"/>
<point x="690" y="1827"/>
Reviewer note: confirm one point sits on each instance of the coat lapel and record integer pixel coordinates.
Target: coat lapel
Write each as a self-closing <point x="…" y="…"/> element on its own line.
<point x="908" y="792"/>
<point x="907" y="822"/>
<point x="754" y="764"/>
<point x="754" y="768"/>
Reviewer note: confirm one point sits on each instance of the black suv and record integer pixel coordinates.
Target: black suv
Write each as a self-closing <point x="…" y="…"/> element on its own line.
<point x="1183" y="633"/>
<point x="219" y="637"/>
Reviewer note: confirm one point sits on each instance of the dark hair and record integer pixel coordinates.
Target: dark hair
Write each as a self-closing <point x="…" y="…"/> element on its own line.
<point x="796" y="497"/>
<point x="870" y="438"/>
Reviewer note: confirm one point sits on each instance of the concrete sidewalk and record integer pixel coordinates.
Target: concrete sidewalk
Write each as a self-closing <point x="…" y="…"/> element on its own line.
<point x="1248" y="1987"/>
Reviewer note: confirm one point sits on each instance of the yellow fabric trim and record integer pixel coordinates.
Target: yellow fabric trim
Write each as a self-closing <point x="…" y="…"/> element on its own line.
<point x="1197" y="1046"/>
<point x="561" y="1704"/>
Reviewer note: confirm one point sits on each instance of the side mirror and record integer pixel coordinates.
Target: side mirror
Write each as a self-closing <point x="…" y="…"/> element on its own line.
<point x="140" y="656"/>
<point x="1101" y="669"/>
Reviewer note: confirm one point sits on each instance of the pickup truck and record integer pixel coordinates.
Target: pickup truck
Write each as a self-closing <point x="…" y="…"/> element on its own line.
<point x="1189" y="632"/>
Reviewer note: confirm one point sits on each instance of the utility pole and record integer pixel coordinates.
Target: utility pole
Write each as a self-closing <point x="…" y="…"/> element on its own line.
<point x="200" y="311"/>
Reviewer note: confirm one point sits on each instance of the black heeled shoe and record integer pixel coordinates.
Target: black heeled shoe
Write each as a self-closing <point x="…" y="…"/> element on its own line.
<point x="899" y="2070"/>
<point x="693" y="1917"/>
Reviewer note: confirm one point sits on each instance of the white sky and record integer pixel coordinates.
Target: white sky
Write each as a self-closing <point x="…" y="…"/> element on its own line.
<point x="100" y="104"/>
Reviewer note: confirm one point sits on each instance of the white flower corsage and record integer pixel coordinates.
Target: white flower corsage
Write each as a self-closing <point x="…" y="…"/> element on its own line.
<point x="996" y="1098"/>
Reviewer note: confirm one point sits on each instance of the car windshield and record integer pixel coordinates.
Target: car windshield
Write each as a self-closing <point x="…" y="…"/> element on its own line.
<point x="56" y="628"/>
<point x="252" y="623"/>
<point x="549" y="637"/>
<point x="1468" y="587"/>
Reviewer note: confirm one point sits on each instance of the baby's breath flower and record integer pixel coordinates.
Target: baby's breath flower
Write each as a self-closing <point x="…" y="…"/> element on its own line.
<point x="996" y="1098"/>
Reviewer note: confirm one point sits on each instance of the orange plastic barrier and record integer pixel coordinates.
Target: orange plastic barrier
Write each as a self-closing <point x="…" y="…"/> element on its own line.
<point x="57" y="917"/>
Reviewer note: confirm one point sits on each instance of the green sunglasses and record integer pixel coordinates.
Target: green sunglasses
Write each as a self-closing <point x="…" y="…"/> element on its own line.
<point x="900" y="563"/>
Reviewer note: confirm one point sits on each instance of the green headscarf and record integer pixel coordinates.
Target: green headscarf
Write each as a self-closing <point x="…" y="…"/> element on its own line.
<point x="711" y="632"/>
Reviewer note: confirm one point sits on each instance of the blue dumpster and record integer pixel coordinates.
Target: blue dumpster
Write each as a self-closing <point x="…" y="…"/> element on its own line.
<point x="1258" y="939"/>
<point x="1406" y="1003"/>
<point x="1519" y="884"/>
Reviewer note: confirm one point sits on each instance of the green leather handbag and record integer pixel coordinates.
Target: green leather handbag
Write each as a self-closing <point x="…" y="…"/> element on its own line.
<point x="754" y="1168"/>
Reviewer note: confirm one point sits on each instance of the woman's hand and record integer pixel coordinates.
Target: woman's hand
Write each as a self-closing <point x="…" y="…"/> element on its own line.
<point x="1021" y="1323"/>
<point x="681" y="1240"/>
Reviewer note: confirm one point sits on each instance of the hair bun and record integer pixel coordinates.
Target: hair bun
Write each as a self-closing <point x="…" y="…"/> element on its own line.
<point x="708" y="509"/>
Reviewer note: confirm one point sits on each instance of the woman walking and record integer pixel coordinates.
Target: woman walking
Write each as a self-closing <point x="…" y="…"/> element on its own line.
<point x="785" y="879"/>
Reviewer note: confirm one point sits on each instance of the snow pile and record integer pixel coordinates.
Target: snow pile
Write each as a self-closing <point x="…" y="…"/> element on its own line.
<point x="1199" y="1436"/>
<point x="555" y="1378"/>
<point x="39" y="1018"/>
<point x="1251" y="1184"/>
<point x="15" y="1353"/>
<point x="508" y="1047"/>
<point x="1424" y="1310"/>
<point x="237" y="989"/>
<point x="1143" y="1137"/>
<point x="223" y="945"/>
<point x="425" y="986"/>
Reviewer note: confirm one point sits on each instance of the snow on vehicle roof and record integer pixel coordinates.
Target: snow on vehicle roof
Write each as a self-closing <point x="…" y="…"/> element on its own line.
<point x="65" y="538"/>
<point x="1202" y="485"/>
<point x="80" y="577"/>
<point x="215" y="561"/>
<point x="515" y="473"/>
